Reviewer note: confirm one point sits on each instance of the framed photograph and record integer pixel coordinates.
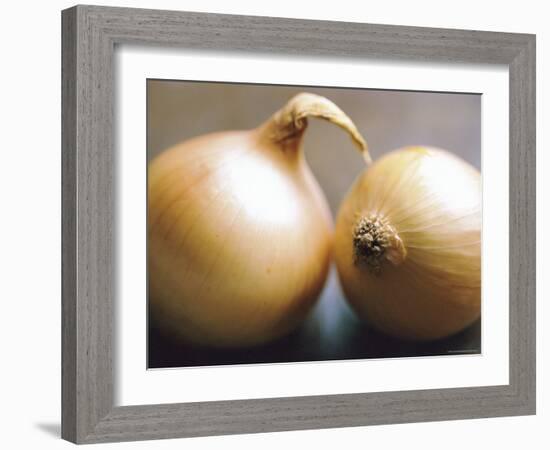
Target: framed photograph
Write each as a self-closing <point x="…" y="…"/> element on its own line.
<point x="279" y="224"/>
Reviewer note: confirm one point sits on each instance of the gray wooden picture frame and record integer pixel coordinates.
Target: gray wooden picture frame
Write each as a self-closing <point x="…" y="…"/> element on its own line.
<point x="90" y="34"/>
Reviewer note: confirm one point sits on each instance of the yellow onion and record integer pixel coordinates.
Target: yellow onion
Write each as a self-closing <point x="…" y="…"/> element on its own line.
<point x="239" y="230"/>
<point x="407" y="244"/>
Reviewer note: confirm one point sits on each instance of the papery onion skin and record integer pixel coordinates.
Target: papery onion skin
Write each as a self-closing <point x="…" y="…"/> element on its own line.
<point x="426" y="285"/>
<point x="239" y="234"/>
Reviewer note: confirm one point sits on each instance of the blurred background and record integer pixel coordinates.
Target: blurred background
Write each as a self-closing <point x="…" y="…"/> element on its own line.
<point x="179" y="110"/>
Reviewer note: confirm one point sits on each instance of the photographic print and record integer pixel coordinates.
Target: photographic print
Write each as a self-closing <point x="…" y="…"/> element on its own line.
<point x="294" y="223"/>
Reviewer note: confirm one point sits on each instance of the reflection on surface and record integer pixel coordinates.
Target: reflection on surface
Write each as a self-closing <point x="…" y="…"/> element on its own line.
<point x="332" y="332"/>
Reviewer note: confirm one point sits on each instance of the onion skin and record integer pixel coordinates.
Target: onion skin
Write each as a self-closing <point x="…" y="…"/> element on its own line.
<point x="239" y="233"/>
<point x="427" y="283"/>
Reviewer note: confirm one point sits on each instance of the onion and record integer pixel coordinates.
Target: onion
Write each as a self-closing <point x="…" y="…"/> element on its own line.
<point x="239" y="230"/>
<point x="407" y="244"/>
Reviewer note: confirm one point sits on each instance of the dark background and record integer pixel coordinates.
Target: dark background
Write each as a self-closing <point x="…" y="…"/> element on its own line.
<point x="179" y="110"/>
